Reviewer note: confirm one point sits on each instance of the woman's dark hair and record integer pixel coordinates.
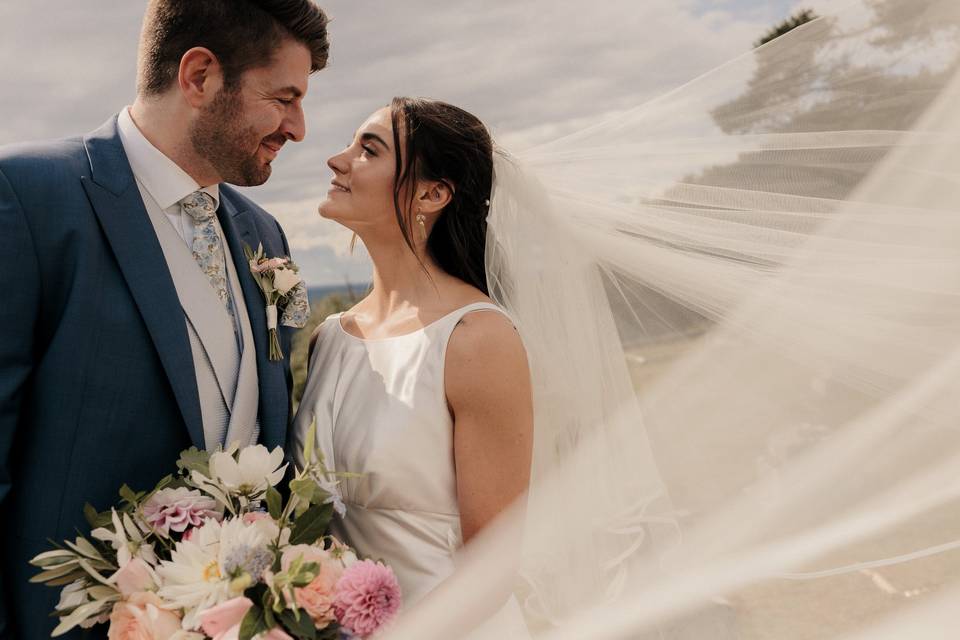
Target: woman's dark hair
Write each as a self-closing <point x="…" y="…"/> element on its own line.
<point x="444" y="143"/>
<point x="243" y="34"/>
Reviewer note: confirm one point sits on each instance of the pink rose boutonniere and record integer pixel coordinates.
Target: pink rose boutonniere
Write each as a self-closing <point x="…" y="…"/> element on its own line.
<point x="284" y="292"/>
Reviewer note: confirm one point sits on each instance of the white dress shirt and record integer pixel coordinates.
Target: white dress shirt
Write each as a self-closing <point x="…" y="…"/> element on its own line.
<point x="166" y="182"/>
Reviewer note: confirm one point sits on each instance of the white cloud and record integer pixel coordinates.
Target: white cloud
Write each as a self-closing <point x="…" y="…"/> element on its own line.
<point x="531" y="70"/>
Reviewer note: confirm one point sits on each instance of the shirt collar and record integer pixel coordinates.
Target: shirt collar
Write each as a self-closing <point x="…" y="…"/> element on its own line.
<point x="166" y="182"/>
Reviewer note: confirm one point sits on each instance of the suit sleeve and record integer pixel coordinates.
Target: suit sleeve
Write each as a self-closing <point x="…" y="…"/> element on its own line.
<point x="20" y="287"/>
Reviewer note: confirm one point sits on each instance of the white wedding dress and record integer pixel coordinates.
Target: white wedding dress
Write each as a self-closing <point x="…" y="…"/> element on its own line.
<point x="381" y="411"/>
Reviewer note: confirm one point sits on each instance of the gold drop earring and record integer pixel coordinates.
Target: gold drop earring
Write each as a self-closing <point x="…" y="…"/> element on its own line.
<point x="421" y="220"/>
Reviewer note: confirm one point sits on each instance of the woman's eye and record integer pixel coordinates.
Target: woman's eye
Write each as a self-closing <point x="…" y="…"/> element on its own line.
<point x="369" y="150"/>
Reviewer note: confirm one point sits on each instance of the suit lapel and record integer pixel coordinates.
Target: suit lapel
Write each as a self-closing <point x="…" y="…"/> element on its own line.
<point x="239" y="228"/>
<point x="123" y="218"/>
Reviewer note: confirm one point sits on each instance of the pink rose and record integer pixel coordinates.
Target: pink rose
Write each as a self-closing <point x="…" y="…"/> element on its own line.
<point x="135" y="576"/>
<point x="222" y="622"/>
<point x="141" y="617"/>
<point x="317" y="597"/>
<point x="268" y="265"/>
<point x="178" y="509"/>
<point x="367" y="597"/>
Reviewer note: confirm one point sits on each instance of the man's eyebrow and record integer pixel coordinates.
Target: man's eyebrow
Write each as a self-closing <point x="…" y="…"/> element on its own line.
<point x="292" y="90"/>
<point x="372" y="136"/>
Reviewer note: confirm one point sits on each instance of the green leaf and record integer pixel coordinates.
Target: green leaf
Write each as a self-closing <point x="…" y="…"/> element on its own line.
<point x="129" y="495"/>
<point x="311" y="526"/>
<point x="163" y="484"/>
<point x="252" y="624"/>
<point x="98" y="592"/>
<point x="274" y="503"/>
<point x="83" y="548"/>
<point x="77" y="616"/>
<point x="299" y="625"/>
<point x="330" y="633"/>
<point x="53" y="557"/>
<point x="68" y="569"/>
<point x="92" y="515"/>
<point x="308" y="491"/>
<point x="194" y="459"/>
<point x="65" y="580"/>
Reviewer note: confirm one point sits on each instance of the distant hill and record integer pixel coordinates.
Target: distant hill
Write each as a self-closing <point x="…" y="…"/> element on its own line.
<point x="315" y="294"/>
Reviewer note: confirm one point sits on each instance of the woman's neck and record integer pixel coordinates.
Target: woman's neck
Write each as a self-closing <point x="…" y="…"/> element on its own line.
<point x="401" y="283"/>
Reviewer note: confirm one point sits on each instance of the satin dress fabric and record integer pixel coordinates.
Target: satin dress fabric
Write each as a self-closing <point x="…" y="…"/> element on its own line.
<point x="381" y="411"/>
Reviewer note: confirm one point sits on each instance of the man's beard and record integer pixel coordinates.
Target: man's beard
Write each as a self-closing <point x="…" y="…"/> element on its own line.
<point x="220" y="138"/>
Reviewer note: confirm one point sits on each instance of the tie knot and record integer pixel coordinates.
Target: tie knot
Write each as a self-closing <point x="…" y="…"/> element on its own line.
<point x="199" y="205"/>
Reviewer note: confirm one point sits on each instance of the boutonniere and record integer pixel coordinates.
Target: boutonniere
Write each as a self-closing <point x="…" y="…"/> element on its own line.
<point x="283" y="290"/>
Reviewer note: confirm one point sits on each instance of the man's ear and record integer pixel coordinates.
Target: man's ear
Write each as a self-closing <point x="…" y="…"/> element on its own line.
<point x="200" y="77"/>
<point x="433" y="196"/>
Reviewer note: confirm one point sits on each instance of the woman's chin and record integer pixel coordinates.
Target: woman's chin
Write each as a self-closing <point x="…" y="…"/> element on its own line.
<point x="326" y="209"/>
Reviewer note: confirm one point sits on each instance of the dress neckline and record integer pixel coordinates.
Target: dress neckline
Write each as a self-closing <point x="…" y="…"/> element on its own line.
<point x="415" y="332"/>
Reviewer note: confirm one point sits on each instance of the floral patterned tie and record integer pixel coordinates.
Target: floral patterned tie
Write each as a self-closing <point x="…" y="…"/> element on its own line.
<point x="207" y="248"/>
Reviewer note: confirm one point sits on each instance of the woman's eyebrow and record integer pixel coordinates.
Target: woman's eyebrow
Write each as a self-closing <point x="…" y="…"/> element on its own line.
<point x="365" y="136"/>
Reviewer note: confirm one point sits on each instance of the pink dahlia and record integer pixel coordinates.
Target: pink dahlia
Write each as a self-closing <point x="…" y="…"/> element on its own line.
<point x="179" y="509"/>
<point x="367" y="597"/>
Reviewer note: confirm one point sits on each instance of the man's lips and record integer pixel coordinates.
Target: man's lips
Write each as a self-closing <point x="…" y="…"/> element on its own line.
<point x="272" y="145"/>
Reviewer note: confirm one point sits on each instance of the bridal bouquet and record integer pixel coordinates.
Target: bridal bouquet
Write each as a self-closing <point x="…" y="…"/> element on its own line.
<point x="214" y="551"/>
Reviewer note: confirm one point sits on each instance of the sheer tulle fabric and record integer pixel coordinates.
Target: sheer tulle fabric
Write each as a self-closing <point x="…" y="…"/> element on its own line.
<point x="741" y="304"/>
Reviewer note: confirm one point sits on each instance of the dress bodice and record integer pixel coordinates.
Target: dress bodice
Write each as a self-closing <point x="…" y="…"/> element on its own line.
<point x="381" y="411"/>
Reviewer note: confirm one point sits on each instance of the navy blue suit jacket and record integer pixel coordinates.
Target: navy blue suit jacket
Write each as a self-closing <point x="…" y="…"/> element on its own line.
<point x="97" y="385"/>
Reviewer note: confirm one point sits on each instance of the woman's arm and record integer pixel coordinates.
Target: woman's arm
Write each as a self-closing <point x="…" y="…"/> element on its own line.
<point x="488" y="389"/>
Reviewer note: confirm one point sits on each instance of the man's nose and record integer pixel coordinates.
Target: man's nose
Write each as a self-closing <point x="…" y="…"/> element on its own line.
<point x="294" y="125"/>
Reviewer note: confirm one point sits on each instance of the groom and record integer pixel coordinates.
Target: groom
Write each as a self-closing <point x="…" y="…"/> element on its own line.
<point x="130" y="327"/>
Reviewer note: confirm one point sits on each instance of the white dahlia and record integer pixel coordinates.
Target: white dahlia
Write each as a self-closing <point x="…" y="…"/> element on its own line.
<point x="201" y="571"/>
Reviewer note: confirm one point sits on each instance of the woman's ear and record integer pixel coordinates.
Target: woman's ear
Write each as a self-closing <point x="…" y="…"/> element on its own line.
<point x="433" y="196"/>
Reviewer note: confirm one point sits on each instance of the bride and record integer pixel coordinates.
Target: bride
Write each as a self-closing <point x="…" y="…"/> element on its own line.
<point x="422" y="388"/>
<point x="766" y="262"/>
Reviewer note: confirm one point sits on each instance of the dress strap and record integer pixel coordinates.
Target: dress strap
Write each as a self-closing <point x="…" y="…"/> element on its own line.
<point x="457" y="316"/>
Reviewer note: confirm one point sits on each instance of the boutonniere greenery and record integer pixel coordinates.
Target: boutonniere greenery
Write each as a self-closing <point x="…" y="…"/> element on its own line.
<point x="283" y="290"/>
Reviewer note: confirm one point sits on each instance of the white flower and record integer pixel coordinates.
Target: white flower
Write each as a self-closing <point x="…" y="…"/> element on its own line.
<point x="127" y="539"/>
<point x="196" y="577"/>
<point x="256" y="470"/>
<point x="285" y="279"/>
<point x="192" y="579"/>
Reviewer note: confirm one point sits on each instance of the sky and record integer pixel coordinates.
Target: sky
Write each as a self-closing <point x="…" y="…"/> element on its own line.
<point x="531" y="70"/>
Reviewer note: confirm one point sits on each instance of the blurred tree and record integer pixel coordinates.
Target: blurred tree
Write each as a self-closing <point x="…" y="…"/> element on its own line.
<point x="788" y="25"/>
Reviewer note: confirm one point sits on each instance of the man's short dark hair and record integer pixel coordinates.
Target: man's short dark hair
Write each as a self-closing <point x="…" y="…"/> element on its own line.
<point x="243" y="34"/>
